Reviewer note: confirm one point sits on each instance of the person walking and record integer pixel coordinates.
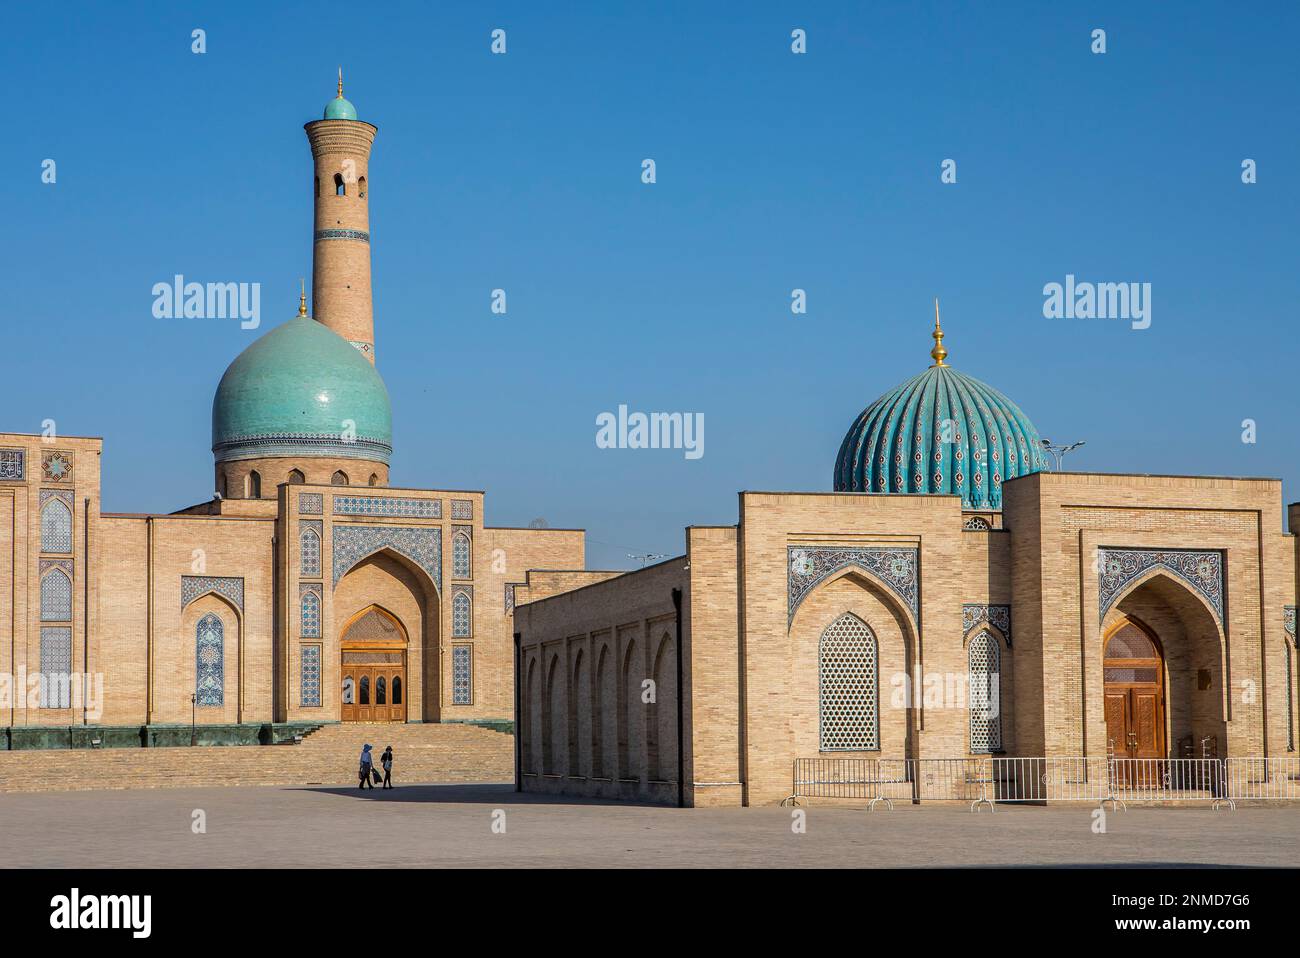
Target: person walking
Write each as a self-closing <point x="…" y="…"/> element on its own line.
<point x="367" y="766"/>
<point x="386" y="760"/>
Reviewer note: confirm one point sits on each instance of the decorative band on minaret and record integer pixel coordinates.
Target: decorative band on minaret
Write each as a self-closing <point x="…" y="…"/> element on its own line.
<point x="340" y="284"/>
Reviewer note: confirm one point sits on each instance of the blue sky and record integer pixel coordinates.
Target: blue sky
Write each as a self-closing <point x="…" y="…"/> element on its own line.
<point x="775" y="171"/>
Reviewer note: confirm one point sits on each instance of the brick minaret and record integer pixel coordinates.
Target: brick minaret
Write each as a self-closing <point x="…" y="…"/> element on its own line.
<point x="340" y="286"/>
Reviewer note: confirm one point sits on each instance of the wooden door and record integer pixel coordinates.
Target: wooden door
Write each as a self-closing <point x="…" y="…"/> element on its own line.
<point x="373" y="691"/>
<point x="1134" y="703"/>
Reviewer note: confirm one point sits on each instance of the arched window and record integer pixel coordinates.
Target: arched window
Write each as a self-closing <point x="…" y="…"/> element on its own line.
<point x="374" y="478"/>
<point x="221" y="484"/>
<point x="381" y="691"/>
<point x="349" y="690"/>
<point x="254" y="485"/>
<point x="296" y="477"/>
<point x="209" y="661"/>
<point x="318" y="186"/>
<point x="365" y="690"/>
<point x="339" y="188"/>
<point x="310" y="615"/>
<point x="361" y="187"/>
<point x="397" y="690"/>
<point x="985" y="690"/>
<point x="56" y="527"/>
<point x="310" y="552"/>
<point x="460" y="564"/>
<point x="460" y="616"/>
<point x="56" y="597"/>
<point x="846" y="668"/>
<point x="339" y="478"/>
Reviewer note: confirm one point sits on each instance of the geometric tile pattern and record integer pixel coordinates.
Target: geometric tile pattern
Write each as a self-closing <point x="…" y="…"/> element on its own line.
<point x="809" y="565"/>
<point x="461" y="675"/>
<point x="56" y="522"/>
<point x="309" y="547"/>
<point x="56" y="668"/>
<point x="12" y="463"/>
<point x="309" y="599"/>
<point x="311" y="504"/>
<point x="388" y="506"/>
<point x="361" y="235"/>
<point x="209" y="666"/>
<point x="984" y="661"/>
<point x="846" y="665"/>
<point x="421" y="544"/>
<point x="460" y="555"/>
<point x="510" y="597"/>
<point x="193" y="586"/>
<point x="1200" y="569"/>
<point x="1288" y="620"/>
<point x="462" y="508"/>
<point x="461" y="605"/>
<point x="56" y="597"/>
<point x="998" y="616"/>
<point x="309" y="693"/>
<point x="56" y="466"/>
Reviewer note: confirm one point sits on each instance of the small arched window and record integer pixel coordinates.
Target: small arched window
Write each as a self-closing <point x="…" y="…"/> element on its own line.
<point x="374" y="478"/>
<point x="310" y="553"/>
<point x="56" y="597"/>
<point x="365" y="690"/>
<point x="254" y="485"/>
<point x="56" y="527"/>
<point x="221" y="484"/>
<point x="361" y="187"/>
<point x="318" y="186"/>
<point x="460" y="615"/>
<point x="340" y="189"/>
<point x="349" y="689"/>
<point x="339" y="478"/>
<point x="460" y="556"/>
<point x="984" y="688"/>
<point x="397" y="690"/>
<point x="310" y="615"/>
<point x="381" y="691"/>
<point x="209" y="666"/>
<point x="846" y="667"/>
<point x="296" y="477"/>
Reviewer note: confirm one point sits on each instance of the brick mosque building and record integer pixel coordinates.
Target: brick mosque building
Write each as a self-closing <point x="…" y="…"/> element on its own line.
<point x="949" y="600"/>
<point x="307" y="591"/>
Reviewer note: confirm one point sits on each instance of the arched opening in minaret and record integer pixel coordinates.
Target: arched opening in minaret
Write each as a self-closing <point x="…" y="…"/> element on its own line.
<point x="318" y="186"/>
<point x="254" y="485"/>
<point x="340" y="478"/>
<point x="340" y="188"/>
<point x="374" y="478"/>
<point x="296" y="477"/>
<point x="361" y="187"/>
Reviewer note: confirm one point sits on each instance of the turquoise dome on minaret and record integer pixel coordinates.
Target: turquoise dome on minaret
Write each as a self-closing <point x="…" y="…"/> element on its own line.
<point x="301" y="390"/>
<point x="941" y="432"/>
<point x="339" y="108"/>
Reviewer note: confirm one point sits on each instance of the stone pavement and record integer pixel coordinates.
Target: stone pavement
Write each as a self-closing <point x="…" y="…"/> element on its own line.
<point x="451" y="825"/>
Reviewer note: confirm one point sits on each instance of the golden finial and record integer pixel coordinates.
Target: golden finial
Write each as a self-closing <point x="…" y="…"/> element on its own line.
<point x="938" y="353"/>
<point x="340" y="96"/>
<point x="302" y="300"/>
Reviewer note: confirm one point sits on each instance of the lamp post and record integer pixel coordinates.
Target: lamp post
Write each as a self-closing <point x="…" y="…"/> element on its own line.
<point x="648" y="557"/>
<point x="1058" y="450"/>
<point x="194" y="733"/>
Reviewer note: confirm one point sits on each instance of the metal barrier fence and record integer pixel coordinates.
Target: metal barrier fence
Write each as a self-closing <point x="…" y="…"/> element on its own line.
<point x="997" y="780"/>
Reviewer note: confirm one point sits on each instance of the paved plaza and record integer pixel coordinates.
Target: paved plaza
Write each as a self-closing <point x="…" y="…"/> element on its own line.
<point x="453" y="826"/>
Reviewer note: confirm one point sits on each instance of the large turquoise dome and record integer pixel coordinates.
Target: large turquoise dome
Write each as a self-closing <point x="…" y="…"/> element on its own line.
<point x="301" y="390"/>
<point x="939" y="432"/>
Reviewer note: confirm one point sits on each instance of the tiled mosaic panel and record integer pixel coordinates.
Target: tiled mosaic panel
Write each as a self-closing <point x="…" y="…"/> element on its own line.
<point x="311" y="504"/>
<point x="462" y="687"/>
<point x="461" y="618"/>
<point x="460" y="555"/>
<point x="209" y="661"/>
<point x="984" y="688"/>
<point x="387" y="506"/>
<point x="1202" y="570"/>
<point x="462" y="509"/>
<point x="309" y="601"/>
<point x="421" y="544"/>
<point x="193" y="586"/>
<point x="56" y="526"/>
<point x="510" y="598"/>
<point x="310" y="682"/>
<point x="56" y="668"/>
<point x="309" y="548"/>
<point x="13" y="464"/>
<point x="848" y="687"/>
<point x="998" y="616"/>
<point x="807" y="566"/>
<point x="56" y="597"/>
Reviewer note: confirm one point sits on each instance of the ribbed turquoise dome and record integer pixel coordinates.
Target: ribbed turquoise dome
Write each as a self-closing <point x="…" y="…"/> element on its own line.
<point x="939" y="432"/>
<point x="340" y="109"/>
<point x="293" y="393"/>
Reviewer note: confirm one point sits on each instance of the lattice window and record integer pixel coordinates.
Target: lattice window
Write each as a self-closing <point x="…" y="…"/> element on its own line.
<point x="462" y="676"/>
<point x="310" y="615"/>
<point x="460" y="563"/>
<point x="846" y="662"/>
<point x="209" y="661"/>
<point x="310" y="553"/>
<point x="56" y="527"/>
<point x="310" y="676"/>
<point x="56" y="597"/>
<point x="977" y="524"/>
<point x="56" y="668"/>
<point x="460" y="616"/>
<point x="985" y="690"/>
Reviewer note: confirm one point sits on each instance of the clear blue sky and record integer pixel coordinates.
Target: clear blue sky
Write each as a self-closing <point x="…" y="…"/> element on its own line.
<point x="775" y="171"/>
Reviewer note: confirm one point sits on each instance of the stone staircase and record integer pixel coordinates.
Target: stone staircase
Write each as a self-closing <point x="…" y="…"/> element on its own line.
<point x="329" y="756"/>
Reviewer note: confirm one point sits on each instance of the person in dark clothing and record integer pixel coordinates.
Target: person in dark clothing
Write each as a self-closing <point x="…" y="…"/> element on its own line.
<point x="386" y="760"/>
<point x="367" y="766"/>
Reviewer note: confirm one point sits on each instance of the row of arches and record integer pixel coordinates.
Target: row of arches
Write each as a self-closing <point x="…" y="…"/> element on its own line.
<point x="250" y="486"/>
<point x="341" y="186"/>
<point x="602" y="712"/>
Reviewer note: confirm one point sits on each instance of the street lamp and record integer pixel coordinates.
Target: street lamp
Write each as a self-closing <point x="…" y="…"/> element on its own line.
<point x="648" y="557"/>
<point x="1058" y="450"/>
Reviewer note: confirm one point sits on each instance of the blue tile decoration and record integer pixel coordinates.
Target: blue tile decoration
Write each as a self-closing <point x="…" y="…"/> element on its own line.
<point x="1288" y="620"/>
<point x="405" y="508"/>
<point x="510" y="598"/>
<point x="56" y="466"/>
<point x="309" y="604"/>
<point x="13" y="465"/>
<point x="309" y="692"/>
<point x="193" y="586"/>
<point x="56" y="667"/>
<point x="209" y="661"/>
<point x="56" y="596"/>
<point x="309" y="533"/>
<point x="311" y="504"/>
<point x="462" y="620"/>
<point x="462" y="684"/>
<point x="897" y="567"/>
<point x="1200" y="569"/>
<point x="421" y="544"/>
<point x="360" y="235"/>
<point x="460" y="553"/>
<point x="56" y="520"/>
<point x="998" y="616"/>
<point x="462" y="509"/>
